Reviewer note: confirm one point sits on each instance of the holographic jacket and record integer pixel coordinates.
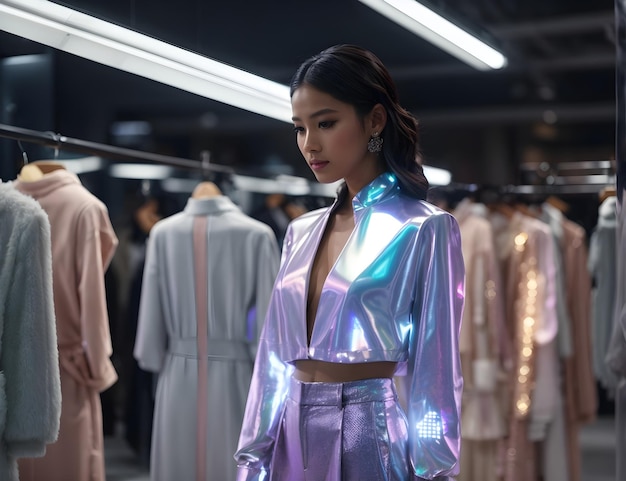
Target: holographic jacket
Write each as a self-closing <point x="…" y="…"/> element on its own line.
<point x="394" y="294"/>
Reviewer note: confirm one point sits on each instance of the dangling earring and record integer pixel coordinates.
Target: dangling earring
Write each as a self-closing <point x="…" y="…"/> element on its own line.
<point x="375" y="144"/>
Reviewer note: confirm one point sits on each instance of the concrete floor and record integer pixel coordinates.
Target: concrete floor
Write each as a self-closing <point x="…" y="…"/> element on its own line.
<point x="597" y="443"/>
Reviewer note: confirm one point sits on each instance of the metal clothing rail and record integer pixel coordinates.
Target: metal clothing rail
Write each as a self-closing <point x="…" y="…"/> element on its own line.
<point x="284" y="184"/>
<point x="532" y="189"/>
<point x="58" y="141"/>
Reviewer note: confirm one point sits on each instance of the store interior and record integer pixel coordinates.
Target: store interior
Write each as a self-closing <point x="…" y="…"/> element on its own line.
<point x="542" y="126"/>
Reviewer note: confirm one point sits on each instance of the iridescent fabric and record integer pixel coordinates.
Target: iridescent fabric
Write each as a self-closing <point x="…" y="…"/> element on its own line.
<point x="394" y="294"/>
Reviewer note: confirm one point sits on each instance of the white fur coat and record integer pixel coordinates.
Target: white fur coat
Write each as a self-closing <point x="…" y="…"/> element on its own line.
<point x="30" y="392"/>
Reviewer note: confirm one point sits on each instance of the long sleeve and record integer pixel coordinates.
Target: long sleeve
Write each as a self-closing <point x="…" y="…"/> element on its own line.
<point x="94" y="253"/>
<point x="268" y="390"/>
<point x="151" y="341"/>
<point x="434" y="367"/>
<point x="29" y="358"/>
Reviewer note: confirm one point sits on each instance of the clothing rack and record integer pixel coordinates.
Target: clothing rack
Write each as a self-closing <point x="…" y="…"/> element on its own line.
<point x="531" y="190"/>
<point x="565" y="178"/>
<point x="572" y="177"/>
<point x="286" y="184"/>
<point x="58" y="141"/>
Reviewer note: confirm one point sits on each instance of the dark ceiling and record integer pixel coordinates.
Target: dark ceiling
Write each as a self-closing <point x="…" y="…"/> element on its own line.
<point x="554" y="101"/>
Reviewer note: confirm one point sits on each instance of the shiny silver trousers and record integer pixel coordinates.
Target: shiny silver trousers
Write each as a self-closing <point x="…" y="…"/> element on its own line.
<point x="341" y="432"/>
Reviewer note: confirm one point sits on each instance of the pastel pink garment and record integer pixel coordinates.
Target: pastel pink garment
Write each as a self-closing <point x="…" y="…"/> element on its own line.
<point x="580" y="393"/>
<point x="83" y="243"/>
<point x="484" y="349"/>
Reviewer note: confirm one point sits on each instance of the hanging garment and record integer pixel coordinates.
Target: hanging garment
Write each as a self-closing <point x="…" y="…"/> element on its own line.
<point x="616" y="353"/>
<point x="603" y="269"/>
<point x="483" y="353"/>
<point x="83" y="243"/>
<point x="525" y="249"/>
<point x="564" y="431"/>
<point x="202" y="344"/>
<point x="578" y="296"/>
<point x="30" y="390"/>
<point x="555" y="220"/>
<point x="580" y="400"/>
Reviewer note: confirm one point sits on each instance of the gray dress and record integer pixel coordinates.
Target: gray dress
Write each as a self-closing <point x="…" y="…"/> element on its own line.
<point x="196" y="430"/>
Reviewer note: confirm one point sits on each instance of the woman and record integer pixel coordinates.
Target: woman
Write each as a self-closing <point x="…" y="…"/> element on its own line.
<point x="368" y="289"/>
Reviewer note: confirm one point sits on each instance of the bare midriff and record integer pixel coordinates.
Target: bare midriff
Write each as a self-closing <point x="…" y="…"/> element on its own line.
<point x="312" y="370"/>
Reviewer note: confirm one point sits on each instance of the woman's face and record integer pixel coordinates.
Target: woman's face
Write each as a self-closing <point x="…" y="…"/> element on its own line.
<point x="333" y="139"/>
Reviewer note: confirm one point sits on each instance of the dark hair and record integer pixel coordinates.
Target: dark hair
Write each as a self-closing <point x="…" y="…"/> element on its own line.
<point x="357" y="77"/>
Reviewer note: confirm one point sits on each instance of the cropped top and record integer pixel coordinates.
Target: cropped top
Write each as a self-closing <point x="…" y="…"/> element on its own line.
<point x="395" y="294"/>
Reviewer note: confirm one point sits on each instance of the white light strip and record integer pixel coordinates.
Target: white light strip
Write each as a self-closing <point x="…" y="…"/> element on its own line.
<point x="88" y="37"/>
<point x="437" y="30"/>
<point x="437" y="176"/>
<point x="175" y="185"/>
<point x="289" y="185"/>
<point x="140" y="171"/>
<point x="82" y="165"/>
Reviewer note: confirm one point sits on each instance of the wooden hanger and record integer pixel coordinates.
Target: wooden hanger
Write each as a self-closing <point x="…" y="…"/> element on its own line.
<point x="205" y="190"/>
<point x="502" y="208"/>
<point x="34" y="171"/>
<point x="558" y="203"/>
<point x="526" y="210"/>
<point x="607" y="192"/>
<point x="48" y="166"/>
<point x="29" y="173"/>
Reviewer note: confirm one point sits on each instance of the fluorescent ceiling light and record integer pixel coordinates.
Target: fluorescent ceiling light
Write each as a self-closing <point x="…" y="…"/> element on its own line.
<point x="437" y="30"/>
<point x="83" y="165"/>
<point x="140" y="171"/>
<point x="88" y="37"/>
<point x="175" y="185"/>
<point x="268" y="186"/>
<point x="437" y="176"/>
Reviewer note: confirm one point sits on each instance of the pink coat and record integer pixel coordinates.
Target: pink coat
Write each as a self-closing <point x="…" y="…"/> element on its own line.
<point x="83" y="243"/>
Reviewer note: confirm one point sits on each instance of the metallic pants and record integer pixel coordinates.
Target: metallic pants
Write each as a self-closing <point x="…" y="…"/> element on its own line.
<point x="341" y="432"/>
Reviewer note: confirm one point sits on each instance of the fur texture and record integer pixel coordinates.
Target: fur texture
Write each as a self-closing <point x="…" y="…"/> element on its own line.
<point x="30" y="392"/>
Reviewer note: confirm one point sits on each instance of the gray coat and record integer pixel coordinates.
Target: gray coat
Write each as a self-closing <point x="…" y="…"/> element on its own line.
<point x="602" y="264"/>
<point x="242" y="262"/>
<point x="30" y="391"/>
